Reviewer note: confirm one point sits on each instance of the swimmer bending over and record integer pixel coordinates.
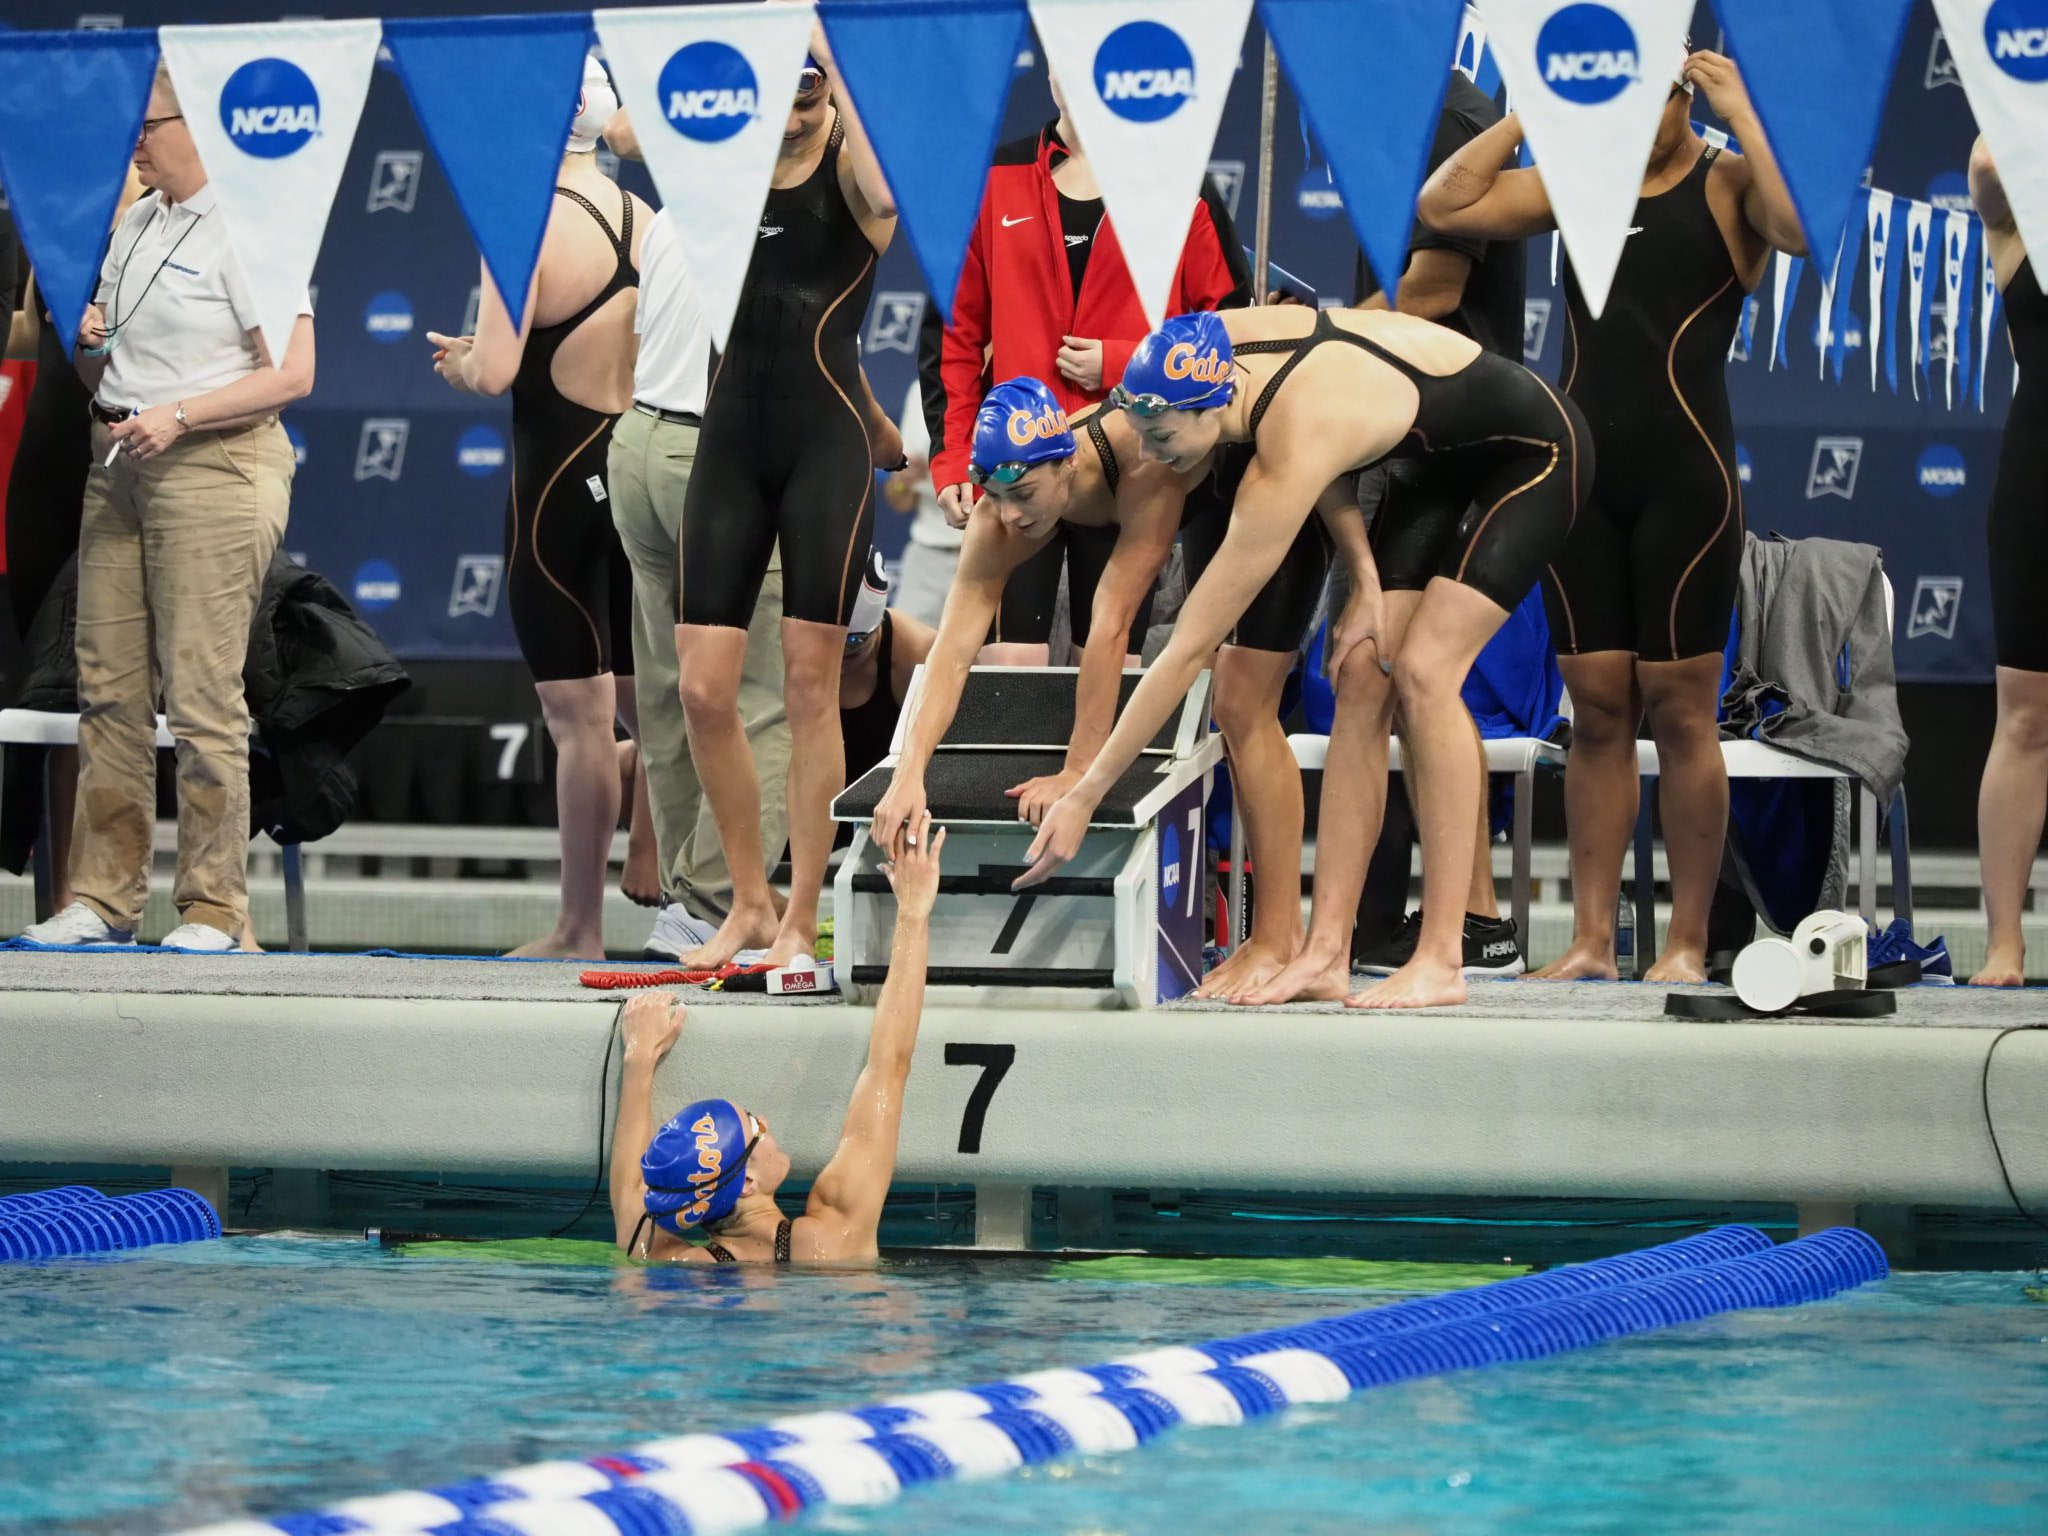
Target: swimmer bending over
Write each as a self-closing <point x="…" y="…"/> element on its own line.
<point x="1318" y="396"/>
<point x="715" y="1167"/>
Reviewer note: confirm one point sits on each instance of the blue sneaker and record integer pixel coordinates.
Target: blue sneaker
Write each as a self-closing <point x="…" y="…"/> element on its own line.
<point x="1892" y="950"/>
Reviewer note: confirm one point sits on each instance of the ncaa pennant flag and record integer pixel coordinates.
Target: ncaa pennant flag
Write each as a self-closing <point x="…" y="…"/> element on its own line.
<point x="937" y="145"/>
<point x="496" y="95"/>
<point x="1955" y="253"/>
<point x="1919" y="242"/>
<point x="1146" y="98"/>
<point x="2001" y="52"/>
<point x="709" y="89"/>
<point x="273" y="111"/>
<point x="1818" y="72"/>
<point x="1590" y="79"/>
<point x="64" y="187"/>
<point x="1377" y="141"/>
<point x="1878" y="233"/>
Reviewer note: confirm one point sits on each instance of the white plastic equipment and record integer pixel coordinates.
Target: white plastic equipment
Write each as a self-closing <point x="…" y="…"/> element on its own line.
<point x="1828" y="952"/>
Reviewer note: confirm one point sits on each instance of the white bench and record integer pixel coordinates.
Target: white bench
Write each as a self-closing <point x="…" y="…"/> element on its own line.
<point x="54" y="728"/>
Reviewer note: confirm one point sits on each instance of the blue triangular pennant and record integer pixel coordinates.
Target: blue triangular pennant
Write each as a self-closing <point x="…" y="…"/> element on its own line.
<point x="65" y="186"/>
<point x="934" y="145"/>
<point x="1818" y="72"/>
<point x="1376" y="139"/>
<point x="1894" y="284"/>
<point x="496" y="95"/>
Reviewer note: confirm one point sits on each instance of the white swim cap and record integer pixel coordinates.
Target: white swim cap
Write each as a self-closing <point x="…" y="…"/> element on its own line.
<point x="872" y="603"/>
<point x="594" y="108"/>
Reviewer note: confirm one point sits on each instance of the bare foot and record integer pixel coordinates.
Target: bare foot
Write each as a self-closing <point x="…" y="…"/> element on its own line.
<point x="743" y="928"/>
<point x="1418" y="984"/>
<point x="1579" y="964"/>
<point x="560" y="946"/>
<point x="1678" y="965"/>
<point x="2001" y="970"/>
<point x="790" y="944"/>
<point x="641" y="880"/>
<point x="1309" y="977"/>
<point x="248" y="944"/>
<point x="1250" y="966"/>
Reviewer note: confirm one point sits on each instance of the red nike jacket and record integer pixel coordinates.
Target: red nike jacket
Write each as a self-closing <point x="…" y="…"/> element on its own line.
<point x="1016" y="298"/>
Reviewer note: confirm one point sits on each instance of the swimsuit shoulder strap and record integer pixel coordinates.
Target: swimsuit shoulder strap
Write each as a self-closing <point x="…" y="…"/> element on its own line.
<point x="782" y="1241"/>
<point x="720" y="1254"/>
<point x="1099" y="436"/>
<point x="622" y="243"/>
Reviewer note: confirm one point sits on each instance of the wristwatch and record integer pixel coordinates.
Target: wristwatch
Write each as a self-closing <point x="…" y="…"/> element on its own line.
<point x="181" y="418"/>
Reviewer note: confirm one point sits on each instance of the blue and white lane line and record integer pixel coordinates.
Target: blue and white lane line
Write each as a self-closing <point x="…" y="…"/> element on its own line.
<point x="696" y="1484"/>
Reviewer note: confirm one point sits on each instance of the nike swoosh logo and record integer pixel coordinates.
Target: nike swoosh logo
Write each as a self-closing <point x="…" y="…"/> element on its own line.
<point x="1010" y="223"/>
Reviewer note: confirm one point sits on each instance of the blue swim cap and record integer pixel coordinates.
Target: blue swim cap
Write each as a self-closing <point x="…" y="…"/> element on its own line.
<point x="695" y="1167"/>
<point x="1184" y="365"/>
<point x="1020" y="422"/>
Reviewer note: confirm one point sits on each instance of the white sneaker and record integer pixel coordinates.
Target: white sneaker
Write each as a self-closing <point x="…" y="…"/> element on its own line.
<point x="199" y="939"/>
<point x="675" y="933"/>
<point x="77" y="924"/>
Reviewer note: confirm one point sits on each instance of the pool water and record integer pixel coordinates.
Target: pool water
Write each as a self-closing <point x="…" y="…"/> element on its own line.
<point x="259" y="1376"/>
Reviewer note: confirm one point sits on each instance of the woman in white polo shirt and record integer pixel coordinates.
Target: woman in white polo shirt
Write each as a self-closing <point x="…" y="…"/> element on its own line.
<point x="184" y="507"/>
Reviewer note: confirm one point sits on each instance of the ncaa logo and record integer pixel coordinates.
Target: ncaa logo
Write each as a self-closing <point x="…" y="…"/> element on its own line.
<point x="1318" y="197"/>
<point x="388" y="316"/>
<point x="1951" y="189"/>
<point x="1535" y="328"/>
<point x="1169" y="866"/>
<point x="377" y="586"/>
<point x="1745" y="467"/>
<point x="1942" y="471"/>
<point x="1144" y="72"/>
<point x="380" y="451"/>
<point x="480" y="451"/>
<point x="297" y="439"/>
<point x="1936" y="602"/>
<point x="269" y="108"/>
<point x="1833" y="471"/>
<point x="1587" y="54"/>
<point x="478" y="580"/>
<point x="2016" y="33"/>
<point x="708" y="91"/>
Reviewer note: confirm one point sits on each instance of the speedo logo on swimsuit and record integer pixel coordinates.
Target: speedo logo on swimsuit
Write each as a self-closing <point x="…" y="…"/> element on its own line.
<point x="1587" y="54"/>
<point x="1184" y="362"/>
<point x="708" y="91"/>
<point x="1144" y="71"/>
<point x="2016" y="32"/>
<point x="270" y="108"/>
<point x="1025" y="428"/>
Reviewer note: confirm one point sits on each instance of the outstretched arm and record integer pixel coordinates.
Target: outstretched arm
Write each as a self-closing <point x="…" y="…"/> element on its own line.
<point x="857" y="156"/>
<point x="848" y="1194"/>
<point x="1470" y="193"/>
<point x="652" y="1023"/>
<point x="1767" y="205"/>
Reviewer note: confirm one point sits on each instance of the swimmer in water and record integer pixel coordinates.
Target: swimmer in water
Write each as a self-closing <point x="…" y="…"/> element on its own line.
<point x="714" y="1168"/>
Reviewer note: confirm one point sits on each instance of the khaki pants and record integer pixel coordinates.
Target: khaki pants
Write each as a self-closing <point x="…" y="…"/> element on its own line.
<point x="648" y="474"/>
<point x="171" y="556"/>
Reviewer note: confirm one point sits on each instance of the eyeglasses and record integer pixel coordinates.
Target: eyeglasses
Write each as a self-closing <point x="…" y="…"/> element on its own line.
<point x="1149" y="406"/>
<point x="150" y="124"/>
<point x="1001" y="474"/>
<point x="810" y="81"/>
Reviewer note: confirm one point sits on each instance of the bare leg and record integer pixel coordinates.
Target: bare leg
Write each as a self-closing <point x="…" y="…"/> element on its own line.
<point x="1681" y="699"/>
<point x="1354" y="802"/>
<point x="1266" y="784"/>
<point x="579" y="712"/>
<point x="63" y="782"/>
<point x="641" y="880"/>
<point x="1011" y="654"/>
<point x="712" y="657"/>
<point x="1601" y="791"/>
<point x="1481" y="900"/>
<point x="1453" y="625"/>
<point x="811" y="657"/>
<point x="2010" y="803"/>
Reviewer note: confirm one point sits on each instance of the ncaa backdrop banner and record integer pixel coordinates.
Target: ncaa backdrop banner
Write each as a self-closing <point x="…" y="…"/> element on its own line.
<point x="496" y="95"/>
<point x="709" y="88"/>
<point x="273" y="112"/>
<point x="1590" y="79"/>
<point x="1146" y="97"/>
<point x="1377" y="141"/>
<point x="1818" y="72"/>
<point x="64" y="186"/>
<point x="2001" y="52"/>
<point x="936" y="145"/>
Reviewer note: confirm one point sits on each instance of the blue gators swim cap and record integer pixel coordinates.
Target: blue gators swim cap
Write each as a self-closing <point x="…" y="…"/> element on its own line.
<point x="695" y="1167"/>
<point x="1184" y="365"/>
<point x="1020" y="422"/>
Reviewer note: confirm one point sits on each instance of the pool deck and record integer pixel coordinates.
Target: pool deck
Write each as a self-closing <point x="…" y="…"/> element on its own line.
<point x="1581" y="1090"/>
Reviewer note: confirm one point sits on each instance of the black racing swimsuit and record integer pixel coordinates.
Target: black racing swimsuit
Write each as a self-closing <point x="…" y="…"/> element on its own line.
<point x="2018" y="527"/>
<point x="1652" y="565"/>
<point x="869" y="728"/>
<point x="1516" y="455"/>
<point x="720" y="1254"/>
<point x="567" y="581"/>
<point x="784" y="451"/>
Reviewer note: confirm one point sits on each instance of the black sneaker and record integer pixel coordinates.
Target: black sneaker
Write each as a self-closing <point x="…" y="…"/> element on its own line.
<point x="1490" y="948"/>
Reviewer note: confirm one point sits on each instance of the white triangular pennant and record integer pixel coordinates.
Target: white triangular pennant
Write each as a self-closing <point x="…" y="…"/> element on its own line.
<point x="1878" y="230"/>
<point x="1781" y="286"/>
<point x="1825" y="327"/>
<point x="1471" y="43"/>
<point x="1955" y="250"/>
<point x="273" y="111"/>
<point x="2001" y="53"/>
<point x="1146" y="98"/>
<point x="1590" y="82"/>
<point x="709" y="88"/>
<point x="1919" y="242"/>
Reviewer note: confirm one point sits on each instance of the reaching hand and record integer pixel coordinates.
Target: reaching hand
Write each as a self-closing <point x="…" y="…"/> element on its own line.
<point x="148" y="433"/>
<point x="1035" y="797"/>
<point x="901" y="810"/>
<point x="913" y="872"/>
<point x="653" y="1023"/>
<point x="1363" y="622"/>
<point x="1059" y="839"/>
<point x="1716" y="75"/>
<point x="451" y="358"/>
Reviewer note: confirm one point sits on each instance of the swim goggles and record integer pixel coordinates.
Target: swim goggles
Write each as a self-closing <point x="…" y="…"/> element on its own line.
<point x="809" y="80"/>
<point x="1002" y="474"/>
<point x="1148" y="406"/>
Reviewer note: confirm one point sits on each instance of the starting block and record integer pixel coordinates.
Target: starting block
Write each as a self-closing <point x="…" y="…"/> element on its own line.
<point x="1123" y="920"/>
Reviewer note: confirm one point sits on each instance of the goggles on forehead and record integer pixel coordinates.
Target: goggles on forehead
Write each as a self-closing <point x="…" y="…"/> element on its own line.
<point x="1002" y="474"/>
<point x="810" y="81"/>
<point x="1156" y="405"/>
